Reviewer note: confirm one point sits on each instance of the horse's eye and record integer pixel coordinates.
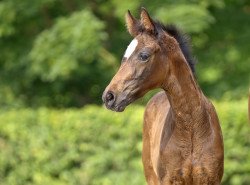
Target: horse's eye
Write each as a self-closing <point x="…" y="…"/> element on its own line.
<point x="144" y="56"/>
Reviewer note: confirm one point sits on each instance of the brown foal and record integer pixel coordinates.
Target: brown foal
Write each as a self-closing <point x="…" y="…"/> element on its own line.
<point x="182" y="139"/>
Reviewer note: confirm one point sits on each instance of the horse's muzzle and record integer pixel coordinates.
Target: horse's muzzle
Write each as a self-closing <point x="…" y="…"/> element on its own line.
<point x="112" y="102"/>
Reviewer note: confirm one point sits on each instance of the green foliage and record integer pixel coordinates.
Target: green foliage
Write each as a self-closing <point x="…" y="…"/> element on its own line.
<point x="7" y="17"/>
<point x="224" y="69"/>
<point x="70" y="41"/>
<point x="70" y="146"/>
<point x="63" y="53"/>
<point x="191" y="18"/>
<point x="94" y="146"/>
<point x="236" y="131"/>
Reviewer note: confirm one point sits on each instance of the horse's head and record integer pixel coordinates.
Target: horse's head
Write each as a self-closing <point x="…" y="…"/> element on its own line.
<point x="144" y="65"/>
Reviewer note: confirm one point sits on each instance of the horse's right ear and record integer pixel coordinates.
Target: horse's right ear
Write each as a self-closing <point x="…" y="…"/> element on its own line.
<point x="132" y="24"/>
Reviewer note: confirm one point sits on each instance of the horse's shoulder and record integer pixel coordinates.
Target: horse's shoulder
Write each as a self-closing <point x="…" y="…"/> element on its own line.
<point x="157" y="103"/>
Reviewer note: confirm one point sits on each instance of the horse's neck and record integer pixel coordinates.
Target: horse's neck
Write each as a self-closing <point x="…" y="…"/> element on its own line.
<point x="185" y="97"/>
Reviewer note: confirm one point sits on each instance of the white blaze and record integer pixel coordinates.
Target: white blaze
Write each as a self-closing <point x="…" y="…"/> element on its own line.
<point x="131" y="48"/>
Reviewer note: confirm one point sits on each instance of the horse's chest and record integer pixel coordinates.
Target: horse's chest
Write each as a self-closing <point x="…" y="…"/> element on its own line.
<point x="181" y="165"/>
<point x="174" y="167"/>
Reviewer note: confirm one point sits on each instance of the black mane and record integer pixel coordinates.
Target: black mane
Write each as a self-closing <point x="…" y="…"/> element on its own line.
<point x="182" y="39"/>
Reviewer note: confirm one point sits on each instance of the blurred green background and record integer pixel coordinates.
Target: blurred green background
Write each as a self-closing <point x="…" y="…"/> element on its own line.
<point x="57" y="56"/>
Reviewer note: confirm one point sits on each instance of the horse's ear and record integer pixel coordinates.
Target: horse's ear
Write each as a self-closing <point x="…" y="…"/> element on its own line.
<point x="132" y="24"/>
<point x="146" y="21"/>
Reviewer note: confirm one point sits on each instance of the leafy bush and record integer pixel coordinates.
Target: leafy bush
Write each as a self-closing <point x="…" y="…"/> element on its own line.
<point x="88" y="146"/>
<point x="236" y="132"/>
<point x="69" y="42"/>
<point x="94" y="146"/>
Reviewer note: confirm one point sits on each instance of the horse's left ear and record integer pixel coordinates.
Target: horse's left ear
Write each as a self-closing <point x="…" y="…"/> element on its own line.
<point x="147" y="22"/>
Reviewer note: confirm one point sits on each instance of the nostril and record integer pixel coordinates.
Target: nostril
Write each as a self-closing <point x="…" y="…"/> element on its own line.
<point x="110" y="96"/>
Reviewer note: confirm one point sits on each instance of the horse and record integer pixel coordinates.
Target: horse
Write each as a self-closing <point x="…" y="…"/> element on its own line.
<point x="182" y="138"/>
